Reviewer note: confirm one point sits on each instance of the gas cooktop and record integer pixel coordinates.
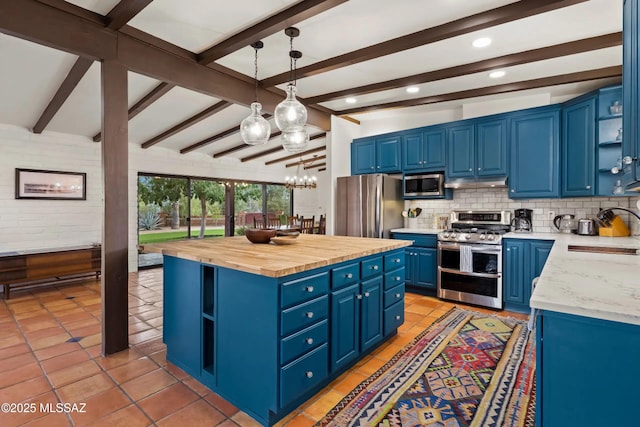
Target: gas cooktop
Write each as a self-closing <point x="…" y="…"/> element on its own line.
<point x="486" y="227"/>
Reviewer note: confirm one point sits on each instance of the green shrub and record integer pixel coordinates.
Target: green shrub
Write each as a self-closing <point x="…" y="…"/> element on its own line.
<point x="241" y="230"/>
<point x="149" y="218"/>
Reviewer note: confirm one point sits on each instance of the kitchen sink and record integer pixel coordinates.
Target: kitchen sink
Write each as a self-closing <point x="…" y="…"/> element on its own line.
<point x="604" y="250"/>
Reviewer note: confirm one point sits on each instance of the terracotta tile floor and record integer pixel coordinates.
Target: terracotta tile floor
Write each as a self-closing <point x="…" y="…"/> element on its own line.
<point x="50" y="352"/>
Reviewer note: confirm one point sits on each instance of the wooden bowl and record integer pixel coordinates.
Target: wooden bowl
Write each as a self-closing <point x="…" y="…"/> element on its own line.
<point x="259" y="235"/>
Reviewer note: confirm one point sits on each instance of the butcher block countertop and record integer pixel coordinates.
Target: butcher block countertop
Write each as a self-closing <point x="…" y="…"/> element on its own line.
<point x="308" y="252"/>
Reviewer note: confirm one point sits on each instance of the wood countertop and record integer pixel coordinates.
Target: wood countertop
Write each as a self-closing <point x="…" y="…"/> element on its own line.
<point x="308" y="252"/>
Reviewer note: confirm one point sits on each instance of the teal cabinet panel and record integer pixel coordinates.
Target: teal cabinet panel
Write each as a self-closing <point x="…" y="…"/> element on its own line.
<point x="421" y="260"/>
<point x="568" y="347"/>
<point x="434" y="149"/>
<point x="363" y="157"/>
<point x="303" y="374"/>
<point x="609" y="142"/>
<point x="523" y="260"/>
<point x="461" y="151"/>
<point x="491" y="148"/>
<point x="371" y="317"/>
<point x="388" y="154"/>
<point x="631" y="91"/>
<point x="345" y="326"/>
<point x="412" y="152"/>
<point x="578" y="148"/>
<point x="424" y="150"/>
<point x="393" y="317"/>
<point x="426" y="268"/>
<point x="534" y="169"/>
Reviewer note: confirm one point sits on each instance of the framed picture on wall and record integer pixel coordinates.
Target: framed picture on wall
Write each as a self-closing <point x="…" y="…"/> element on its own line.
<point x="50" y="185"/>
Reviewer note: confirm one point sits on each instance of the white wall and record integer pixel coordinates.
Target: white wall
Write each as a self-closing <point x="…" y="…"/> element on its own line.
<point x="37" y="224"/>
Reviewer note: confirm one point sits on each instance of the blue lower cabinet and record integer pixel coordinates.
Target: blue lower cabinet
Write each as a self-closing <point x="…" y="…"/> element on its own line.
<point x="523" y="260"/>
<point x="371" y="313"/>
<point x="421" y="260"/>
<point x="345" y="328"/>
<point x="393" y="295"/>
<point x="586" y="371"/>
<point x="303" y="374"/>
<point x="393" y="317"/>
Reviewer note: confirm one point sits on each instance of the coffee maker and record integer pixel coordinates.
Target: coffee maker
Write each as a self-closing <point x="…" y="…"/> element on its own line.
<point x="522" y="221"/>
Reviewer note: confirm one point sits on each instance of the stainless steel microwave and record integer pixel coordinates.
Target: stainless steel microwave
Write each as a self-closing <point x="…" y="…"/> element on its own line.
<point x="423" y="185"/>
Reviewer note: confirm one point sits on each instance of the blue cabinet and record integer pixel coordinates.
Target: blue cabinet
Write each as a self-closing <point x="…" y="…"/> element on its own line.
<point x="523" y="260"/>
<point x="631" y="91"/>
<point x="609" y="140"/>
<point x="578" y="148"/>
<point x="569" y="351"/>
<point x="379" y="154"/>
<point x="423" y="150"/>
<point x="477" y="149"/>
<point x="534" y="166"/>
<point x="421" y="260"/>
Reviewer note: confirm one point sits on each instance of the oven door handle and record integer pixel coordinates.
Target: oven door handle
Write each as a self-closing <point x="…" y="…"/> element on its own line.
<point x="462" y="273"/>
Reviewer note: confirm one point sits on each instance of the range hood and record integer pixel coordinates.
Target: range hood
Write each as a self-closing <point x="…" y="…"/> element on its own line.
<point x="495" y="182"/>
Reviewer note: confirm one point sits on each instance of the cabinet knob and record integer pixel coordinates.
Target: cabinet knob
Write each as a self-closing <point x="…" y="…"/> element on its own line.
<point x="470" y="169"/>
<point x="375" y="267"/>
<point x="588" y="187"/>
<point x="372" y="167"/>
<point x="627" y="160"/>
<point x="309" y="314"/>
<point x="398" y="317"/>
<point x="513" y="191"/>
<point x="397" y="278"/>
<point x="309" y="341"/>
<point x="397" y="295"/>
<point x="359" y="296"/>
<point x="348" y="275"/>
<point x="378" y="167"/>
<point x="479" y="169"/>
<point x="396" y="260"/>
<point x="309" y="374"/>
<point x="508" y="249"/>
<point x="309" y="288"/>
<point x="366" y="294"/>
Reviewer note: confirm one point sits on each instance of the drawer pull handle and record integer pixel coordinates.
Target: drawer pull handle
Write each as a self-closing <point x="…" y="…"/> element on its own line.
<point x="309" y="341"/>
<point x="309" y="374"/>
<point x="375" y="267"/>
<point x="396" y="260"/>
<point x="348" y="275"/>
<point x="309" y="314"/>
<point x="397" y="295"/>
<point x="309" y="288"/>
<point x="366" y="294"/>
<point x="398" y="317"/>
<point x="397" y="278"/>
<point x="359" y="296"/>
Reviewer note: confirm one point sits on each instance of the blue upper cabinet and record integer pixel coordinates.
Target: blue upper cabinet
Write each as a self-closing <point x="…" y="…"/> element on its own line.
<point x="423" y="150"/>
<point x="477" y="149"/>
<point x="380" y="154"/>
<point x="535" y="154"/>
<point x="578" y="148"/>
<point x="631" y="92"/>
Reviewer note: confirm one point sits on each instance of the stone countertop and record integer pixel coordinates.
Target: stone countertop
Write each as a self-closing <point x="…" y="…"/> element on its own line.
<point x="416" y="230"/>
<point x="596" y="285"/>
<point x="308" y="252"/>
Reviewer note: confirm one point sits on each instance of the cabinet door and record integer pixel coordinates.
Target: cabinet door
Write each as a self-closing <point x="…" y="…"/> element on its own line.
<point x="363" y="157"/>
<point x="410" y="266"/>
<point x="371" y="313"/>
<point x="578" y="149"/>
<point x="434" y="149"/>
<point x="388" y="152"/>
<point x="491" y="146"/>
<point x="535" y="155"/>
<point x="538" y="254"/>
<point x="345" y="325"/>
<point x="426" y="267"/>
<point x="631" y="87"/>
<point x="461" y="151"/>
<point x="412" y="153"/>
<point x="514" y="272"/>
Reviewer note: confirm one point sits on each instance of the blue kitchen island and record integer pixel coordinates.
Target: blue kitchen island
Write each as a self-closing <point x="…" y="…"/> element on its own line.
<point x="267" y="326"/>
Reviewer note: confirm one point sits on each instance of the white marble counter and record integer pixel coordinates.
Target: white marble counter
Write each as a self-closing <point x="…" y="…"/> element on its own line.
<point x="601" y="286"/>
<point x="416" y="230"/>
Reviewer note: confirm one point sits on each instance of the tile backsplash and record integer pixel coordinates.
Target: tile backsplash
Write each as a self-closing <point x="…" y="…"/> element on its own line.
<point x="496" y="199"/>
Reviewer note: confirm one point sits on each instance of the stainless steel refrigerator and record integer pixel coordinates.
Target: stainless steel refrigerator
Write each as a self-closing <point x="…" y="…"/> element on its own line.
<point x="368" y="205"/>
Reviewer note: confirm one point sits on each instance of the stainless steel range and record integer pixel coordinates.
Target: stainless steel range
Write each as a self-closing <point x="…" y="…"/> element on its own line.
<point x="470" y="257"/>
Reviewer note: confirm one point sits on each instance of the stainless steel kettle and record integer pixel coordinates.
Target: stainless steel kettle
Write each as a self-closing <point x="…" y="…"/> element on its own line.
<point x="587" y="227"/>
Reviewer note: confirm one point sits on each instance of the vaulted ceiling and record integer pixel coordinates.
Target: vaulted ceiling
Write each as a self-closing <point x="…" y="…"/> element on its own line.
<point x="191" y="77"/>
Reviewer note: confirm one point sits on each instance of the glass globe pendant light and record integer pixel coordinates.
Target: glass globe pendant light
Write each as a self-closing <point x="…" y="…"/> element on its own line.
<point x="290" y="113"/>
<point x="255" y="129"/>
<point x="295" y="140"/>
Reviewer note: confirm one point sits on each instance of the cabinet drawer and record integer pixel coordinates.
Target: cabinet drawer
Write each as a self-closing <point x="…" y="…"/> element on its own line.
<point x="394" y="260"/>
<point x="394" y="278"/>
<point x="393" y="295"/>
<point x="299" y="343"/>
<point x="425" y="240"/>
<point x="303" y="315"/>
<point x="371" y="267"/>
<point x="393" y="317"/>
<point x="304" y="289"/>
<point x="303" y="374"/>
<point x="346" y="275"/>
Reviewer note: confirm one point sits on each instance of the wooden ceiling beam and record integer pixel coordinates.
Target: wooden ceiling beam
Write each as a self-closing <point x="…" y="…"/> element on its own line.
<point x="262" y="154"/>
<point x="581" y="76"/>
<point x="242" y="146"/>
<point x="293" y="156"/>
<point x="124" y="12"/>
<point x="76" y="10"/>
<point x="206" y="113"/>
<point x="541" y="54"/>
<point x="303" y="162"/>
<point x="319" y="165"/>
<point x="228" y="132"/>
<point x="490" y="18"/>
<point x="297" y="13"/>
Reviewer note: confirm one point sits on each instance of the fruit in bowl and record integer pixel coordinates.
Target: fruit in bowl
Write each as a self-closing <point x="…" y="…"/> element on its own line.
<point x="259" y="235"/>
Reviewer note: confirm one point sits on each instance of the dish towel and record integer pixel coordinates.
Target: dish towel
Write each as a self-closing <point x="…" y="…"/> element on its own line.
<point x="466" y="259"/>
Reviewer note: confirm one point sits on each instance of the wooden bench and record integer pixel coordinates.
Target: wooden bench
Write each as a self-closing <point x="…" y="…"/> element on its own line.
<point x="48" y="266"/>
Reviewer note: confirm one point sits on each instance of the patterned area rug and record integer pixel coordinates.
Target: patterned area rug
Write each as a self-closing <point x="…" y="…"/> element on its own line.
<point x="467" y="369"/>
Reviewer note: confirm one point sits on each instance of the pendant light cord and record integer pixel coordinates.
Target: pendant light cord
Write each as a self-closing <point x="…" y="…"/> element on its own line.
<point x="255" y="75"/>
<point x="291" y="63"/>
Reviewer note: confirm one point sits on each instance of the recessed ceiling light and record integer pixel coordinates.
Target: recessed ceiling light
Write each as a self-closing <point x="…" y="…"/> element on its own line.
<point x="481" y="42"/>
<point x="350" y="100"/>
<point x="413" y="89"/>
<point x="497" y="74"/>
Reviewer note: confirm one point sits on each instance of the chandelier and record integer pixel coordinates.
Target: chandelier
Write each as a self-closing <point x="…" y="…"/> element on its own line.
<point x="298" y="181"/>
<point x="255" y="129"/>
<point x="290" y="115"/>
